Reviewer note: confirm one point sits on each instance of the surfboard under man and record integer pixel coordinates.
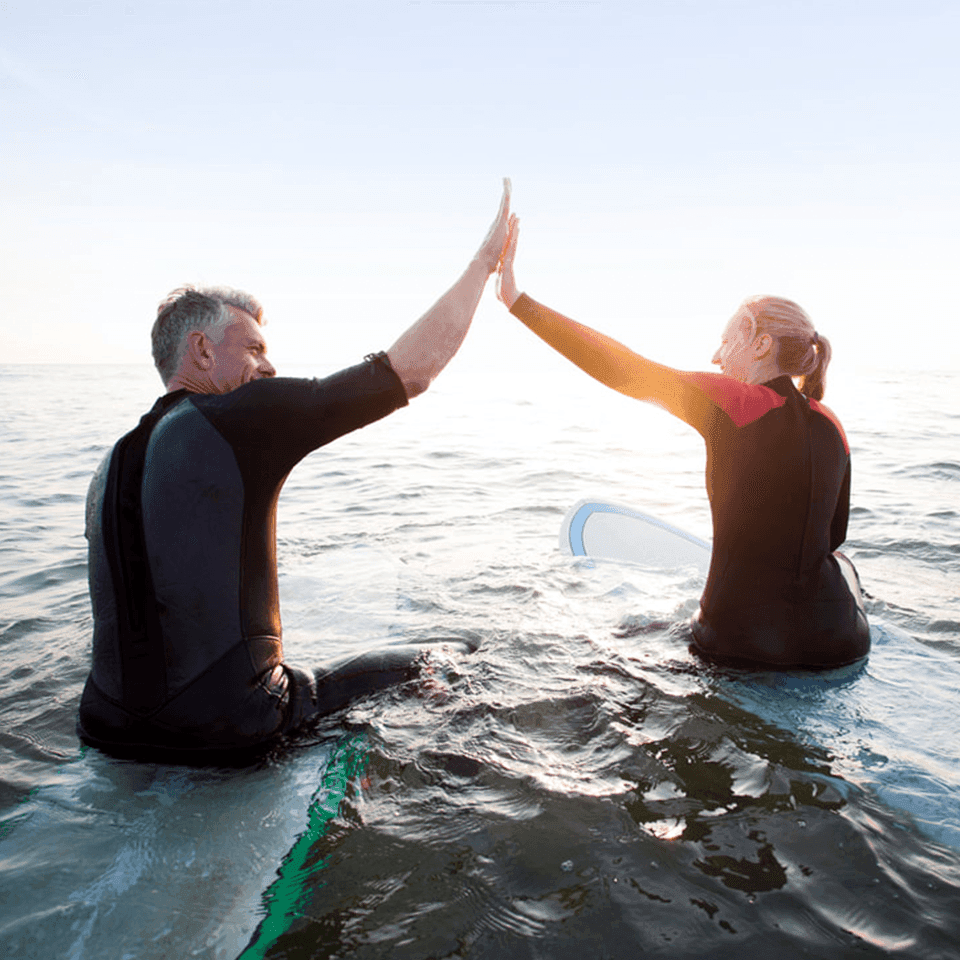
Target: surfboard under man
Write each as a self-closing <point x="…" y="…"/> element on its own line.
<point x="181" y="521"/>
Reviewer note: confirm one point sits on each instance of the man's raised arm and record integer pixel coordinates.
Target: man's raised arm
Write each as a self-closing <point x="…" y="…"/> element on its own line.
<point x="428" y="346"/>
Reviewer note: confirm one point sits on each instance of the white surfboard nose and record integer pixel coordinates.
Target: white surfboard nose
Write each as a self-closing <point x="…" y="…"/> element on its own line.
<point x="597" y="528"/>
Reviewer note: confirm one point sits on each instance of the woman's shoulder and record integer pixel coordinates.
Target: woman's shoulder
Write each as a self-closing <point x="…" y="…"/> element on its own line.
<point x="818" y="407"/>
<point x="743" y="403"/>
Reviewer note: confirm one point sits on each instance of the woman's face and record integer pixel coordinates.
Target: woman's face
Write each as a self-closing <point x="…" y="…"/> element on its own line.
<point x="735" y="355"/>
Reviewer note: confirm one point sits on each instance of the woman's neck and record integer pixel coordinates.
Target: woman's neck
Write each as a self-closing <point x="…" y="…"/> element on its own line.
<point x="763" y="371"/>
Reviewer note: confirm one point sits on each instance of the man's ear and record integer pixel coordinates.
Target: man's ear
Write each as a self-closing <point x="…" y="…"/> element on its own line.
<point x="198" y="349"/>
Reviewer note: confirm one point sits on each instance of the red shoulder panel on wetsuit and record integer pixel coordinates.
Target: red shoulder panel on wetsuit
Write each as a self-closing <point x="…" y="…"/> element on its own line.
<point x="741" y="402"/>
<point x="832" y="417"/>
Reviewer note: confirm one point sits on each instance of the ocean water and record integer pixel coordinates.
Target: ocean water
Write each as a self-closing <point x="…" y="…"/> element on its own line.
<point x="580" y="786"/>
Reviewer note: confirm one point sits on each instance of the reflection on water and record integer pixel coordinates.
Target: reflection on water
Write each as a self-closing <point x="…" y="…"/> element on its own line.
<point x="579" y="786"/>
<point x="633" y="818"/>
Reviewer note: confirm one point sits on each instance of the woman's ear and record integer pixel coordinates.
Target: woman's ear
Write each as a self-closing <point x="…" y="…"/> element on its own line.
<point x="763" y="345"/>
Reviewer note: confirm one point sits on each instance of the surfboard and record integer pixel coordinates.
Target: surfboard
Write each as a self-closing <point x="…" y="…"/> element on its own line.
<point x="597" y="528"/>
<point x="153" y="841"/>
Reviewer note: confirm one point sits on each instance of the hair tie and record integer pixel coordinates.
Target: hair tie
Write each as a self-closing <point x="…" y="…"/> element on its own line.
<point x="815" y="339"/>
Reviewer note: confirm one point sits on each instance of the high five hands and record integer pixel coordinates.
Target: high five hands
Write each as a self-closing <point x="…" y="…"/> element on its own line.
<point x="499" y="248"/>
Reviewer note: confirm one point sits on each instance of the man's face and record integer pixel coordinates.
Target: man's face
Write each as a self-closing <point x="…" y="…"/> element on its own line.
<point x="241" y="356"/>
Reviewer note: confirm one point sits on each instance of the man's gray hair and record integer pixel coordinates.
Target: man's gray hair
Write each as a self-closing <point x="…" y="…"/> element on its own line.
<point x="188" y="309"/>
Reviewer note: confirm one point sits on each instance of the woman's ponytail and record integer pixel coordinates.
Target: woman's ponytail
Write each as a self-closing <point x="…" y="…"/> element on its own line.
<point x="801" y="351"/>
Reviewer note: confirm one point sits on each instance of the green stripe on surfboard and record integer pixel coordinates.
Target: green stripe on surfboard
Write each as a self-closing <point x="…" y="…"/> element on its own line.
<point x="297" y="875"/>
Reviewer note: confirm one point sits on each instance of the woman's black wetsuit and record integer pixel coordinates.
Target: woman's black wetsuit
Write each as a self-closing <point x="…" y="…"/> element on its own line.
<point x="778" y="478"/>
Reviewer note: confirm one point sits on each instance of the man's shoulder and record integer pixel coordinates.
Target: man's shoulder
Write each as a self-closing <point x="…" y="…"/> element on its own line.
<point x="257" y="396"/>
<point x="372" y="377"/>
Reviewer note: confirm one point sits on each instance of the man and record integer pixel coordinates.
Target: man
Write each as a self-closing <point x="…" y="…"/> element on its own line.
<point x="181" y="520"/>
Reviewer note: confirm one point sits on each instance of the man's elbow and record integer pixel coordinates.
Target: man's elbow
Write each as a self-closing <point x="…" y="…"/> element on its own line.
<point x="414" y="373"/>
<point x="414" y="386"/>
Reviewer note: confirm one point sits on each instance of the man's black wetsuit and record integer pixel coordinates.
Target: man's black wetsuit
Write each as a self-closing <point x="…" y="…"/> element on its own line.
<point x="778" y="478"/>
<point x="181" y="522"/>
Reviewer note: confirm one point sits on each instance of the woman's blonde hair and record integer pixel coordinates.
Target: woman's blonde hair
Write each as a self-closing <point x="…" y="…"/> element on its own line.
<point x="801" y="351"/>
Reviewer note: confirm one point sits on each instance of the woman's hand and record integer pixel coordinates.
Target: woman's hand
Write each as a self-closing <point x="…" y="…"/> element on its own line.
<point x="506" y="282"/>
<point x="491" y="250"/>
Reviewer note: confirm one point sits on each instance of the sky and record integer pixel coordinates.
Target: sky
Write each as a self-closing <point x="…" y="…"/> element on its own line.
<point x="342" y="161"/>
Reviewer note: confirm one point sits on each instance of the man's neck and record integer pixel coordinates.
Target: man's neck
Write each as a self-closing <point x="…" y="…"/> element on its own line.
<point x="191" y="381"/>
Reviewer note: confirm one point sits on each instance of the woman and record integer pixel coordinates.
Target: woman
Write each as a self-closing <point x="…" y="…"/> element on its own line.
<point x="778" y="477"/>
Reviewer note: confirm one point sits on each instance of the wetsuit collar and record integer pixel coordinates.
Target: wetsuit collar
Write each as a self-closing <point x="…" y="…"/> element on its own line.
<point x="783" y="385"/>
<point x="168" y="400"/>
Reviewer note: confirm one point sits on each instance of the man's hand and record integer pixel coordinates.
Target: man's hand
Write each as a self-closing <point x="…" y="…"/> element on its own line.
<point x="493" y="244"/>
<point x="428" y="346"/>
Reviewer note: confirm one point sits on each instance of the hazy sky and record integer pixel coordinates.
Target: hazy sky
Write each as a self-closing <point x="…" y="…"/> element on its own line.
<point x="342" y="161"/>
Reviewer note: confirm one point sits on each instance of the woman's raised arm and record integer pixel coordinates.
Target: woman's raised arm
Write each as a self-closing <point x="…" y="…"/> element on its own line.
<point x="604" y="358"/>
